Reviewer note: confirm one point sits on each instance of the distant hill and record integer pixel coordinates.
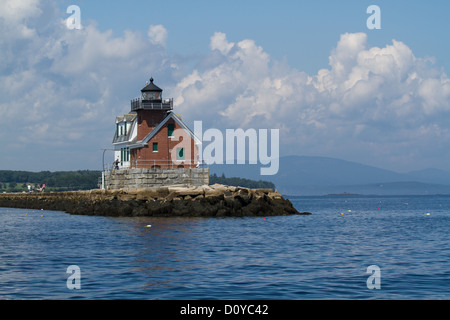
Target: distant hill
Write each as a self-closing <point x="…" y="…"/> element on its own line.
<point x="301" y="175"/>
<point x="430" y="176"/>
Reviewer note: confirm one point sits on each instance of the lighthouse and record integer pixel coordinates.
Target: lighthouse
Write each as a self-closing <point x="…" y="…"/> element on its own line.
<point x="151" y="135"/>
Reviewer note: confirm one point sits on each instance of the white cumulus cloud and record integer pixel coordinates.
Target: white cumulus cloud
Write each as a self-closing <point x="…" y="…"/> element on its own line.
<point x="369" y="103"/>
<point x="158" y="34"/>
<point x="61" y="89"/>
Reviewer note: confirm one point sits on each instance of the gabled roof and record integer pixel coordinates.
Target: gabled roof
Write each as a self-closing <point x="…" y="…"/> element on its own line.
<point x="126" y="138"/>
<point x="151" y="87"/>
<point x="171" y="115"/>
<point x="127" y="117"/>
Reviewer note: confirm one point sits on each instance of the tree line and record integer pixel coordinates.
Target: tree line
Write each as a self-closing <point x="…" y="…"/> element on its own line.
<point x="18" y="181"/>
<point x="241" y="182"/>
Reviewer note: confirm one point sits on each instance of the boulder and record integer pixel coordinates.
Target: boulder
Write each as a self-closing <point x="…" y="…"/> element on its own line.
<point x="203" y="201"/>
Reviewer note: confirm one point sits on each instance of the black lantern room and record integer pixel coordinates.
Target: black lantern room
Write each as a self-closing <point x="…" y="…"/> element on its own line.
<point x="151" y="92"/>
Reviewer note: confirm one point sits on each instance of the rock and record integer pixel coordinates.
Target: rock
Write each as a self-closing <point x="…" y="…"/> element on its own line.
<point x="263" y="191"/>
<point x="170" y="196"/>
<point x="193" y="192"/>
<point x="275" y="195"/>
<point x="204" y="201"/>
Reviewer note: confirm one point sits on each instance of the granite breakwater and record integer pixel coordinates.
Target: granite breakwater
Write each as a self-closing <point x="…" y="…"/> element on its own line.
<point x="172" y="201"/>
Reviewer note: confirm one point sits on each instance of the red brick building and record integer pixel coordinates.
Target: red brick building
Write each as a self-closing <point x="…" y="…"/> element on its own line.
<point x="153" y="136"/>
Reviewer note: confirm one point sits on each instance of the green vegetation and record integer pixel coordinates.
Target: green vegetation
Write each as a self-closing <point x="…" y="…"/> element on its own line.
<point x="17" y="181"/>
<point x="247" y="183"/>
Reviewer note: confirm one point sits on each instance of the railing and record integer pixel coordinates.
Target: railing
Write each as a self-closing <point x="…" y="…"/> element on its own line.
<point x="139" y="104"/>
<point x="155" y="164"/>
<point x="163" y="164"/>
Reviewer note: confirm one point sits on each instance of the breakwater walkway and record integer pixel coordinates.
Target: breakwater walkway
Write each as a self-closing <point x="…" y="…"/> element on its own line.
<point x="203" y="201"/>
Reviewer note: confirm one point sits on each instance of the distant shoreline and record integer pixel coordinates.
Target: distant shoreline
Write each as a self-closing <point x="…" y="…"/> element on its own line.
<point x="344" y="194"/>
<point x="367" y="195"/>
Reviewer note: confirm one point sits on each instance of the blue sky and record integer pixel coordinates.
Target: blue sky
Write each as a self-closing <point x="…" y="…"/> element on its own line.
<point x="303" y="32"/>
<point x="309" y="68"/>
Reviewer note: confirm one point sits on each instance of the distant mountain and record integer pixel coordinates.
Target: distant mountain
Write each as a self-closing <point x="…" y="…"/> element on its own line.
<point x="430" y="176"/>
<point x="301" y="175"/>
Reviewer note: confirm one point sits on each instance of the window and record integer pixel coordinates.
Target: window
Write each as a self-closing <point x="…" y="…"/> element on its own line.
<point x="121" y="130"/>
<point x="124" y="155"/>
<point x="155" y="146"/>
<point x="171" y="128"/>
<point x="117" y="130"/>
<point x="180" y="153"/>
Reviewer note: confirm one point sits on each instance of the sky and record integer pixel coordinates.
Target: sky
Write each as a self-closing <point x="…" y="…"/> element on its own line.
<point x="312" y="69"/>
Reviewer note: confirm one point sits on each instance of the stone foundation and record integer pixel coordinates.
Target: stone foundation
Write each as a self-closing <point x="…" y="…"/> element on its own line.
<point x="132" y="179"/>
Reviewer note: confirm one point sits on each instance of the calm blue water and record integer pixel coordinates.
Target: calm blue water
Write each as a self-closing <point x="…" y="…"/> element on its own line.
<point x="322" y="256"/>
